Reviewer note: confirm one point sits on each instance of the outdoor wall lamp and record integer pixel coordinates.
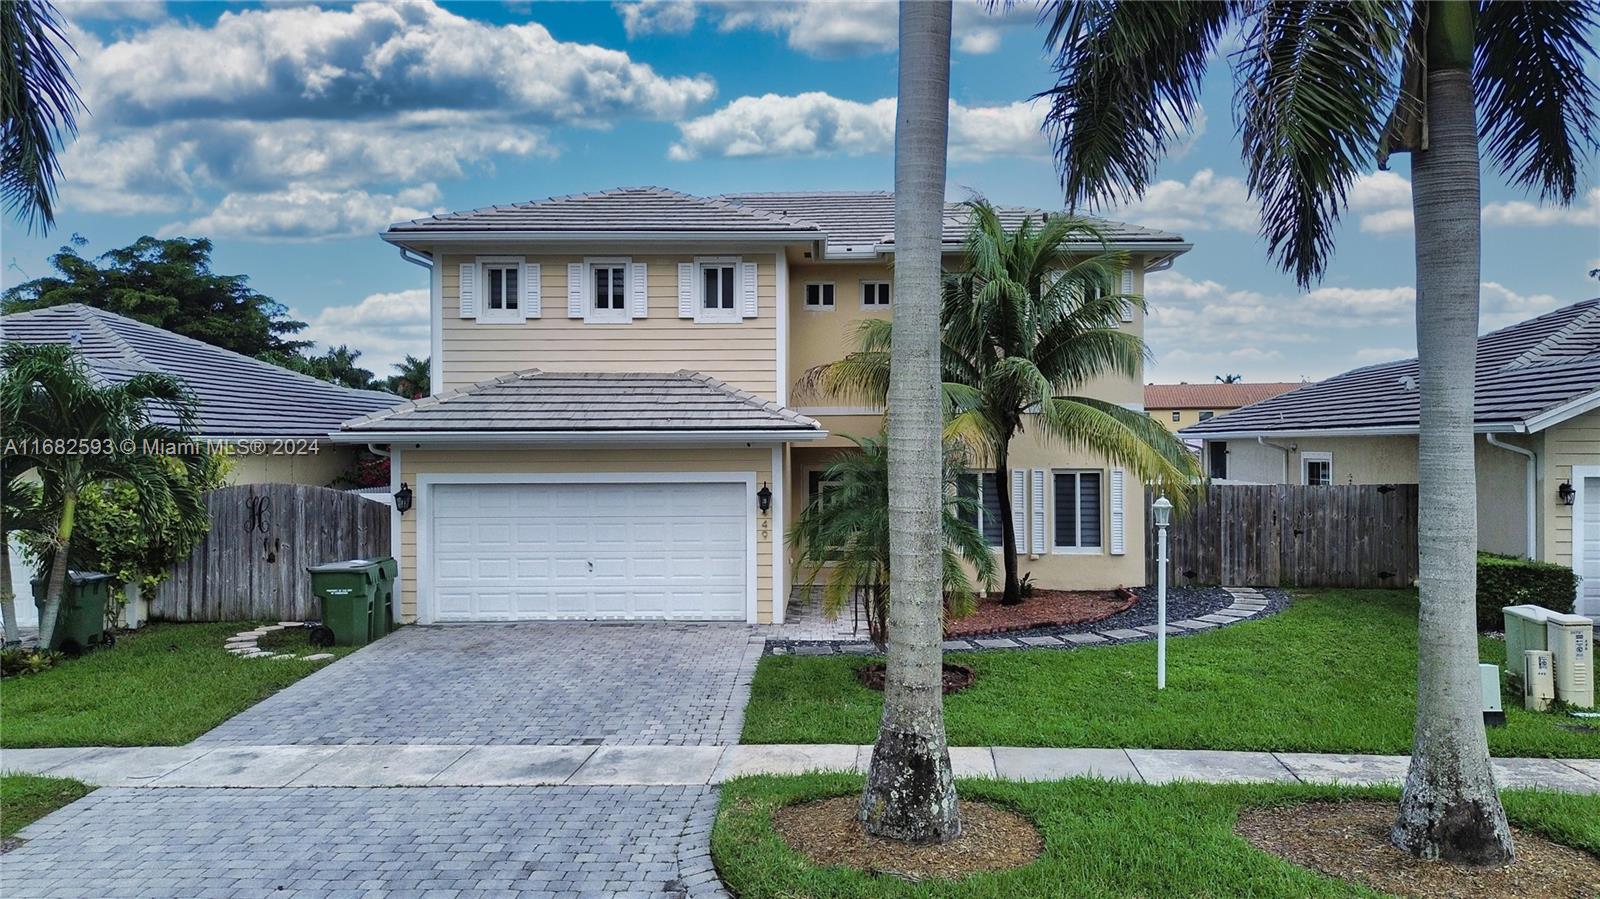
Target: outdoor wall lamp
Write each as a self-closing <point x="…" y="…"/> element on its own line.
<point x="764" y="497"/>
<point x="1566" y="494"/>
<point x="402" y="499"/>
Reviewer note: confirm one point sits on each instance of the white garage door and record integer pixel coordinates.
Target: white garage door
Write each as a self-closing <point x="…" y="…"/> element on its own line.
<point x="507" y="552"/>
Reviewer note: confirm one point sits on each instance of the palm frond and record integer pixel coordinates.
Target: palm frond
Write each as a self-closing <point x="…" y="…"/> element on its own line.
<point x="1128" y="78"/>
<point x="1314" y="85"/>
<point x="40" y="106"/>
<point x="1538" y="106"/>
<point x="1128" y="438"/>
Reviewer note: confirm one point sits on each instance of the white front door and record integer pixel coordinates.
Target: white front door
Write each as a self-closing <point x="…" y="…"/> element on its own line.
<point x="511" y="552"/>
<point x="1586" y="546"/>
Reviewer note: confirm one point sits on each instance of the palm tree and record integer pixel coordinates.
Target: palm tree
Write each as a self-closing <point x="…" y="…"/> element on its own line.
<point x="18" y="512"/>
<point x="40" y="107"/>
<point x="1229" y="379"/>
<point x="844" y="531"/>
<point x="910" y="792"/>
<point x="1030" y="320"/>
<point x="1322" y="91"/>
<point x="47" y="394"/>
<point x="410" y="379"/>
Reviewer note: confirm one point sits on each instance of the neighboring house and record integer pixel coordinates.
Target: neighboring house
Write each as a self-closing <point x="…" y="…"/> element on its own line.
<point x="1538" y="447"/>
<point x="1179" y="405"/>
<point x="275" y="422"/>
<point x="616" y="436"/>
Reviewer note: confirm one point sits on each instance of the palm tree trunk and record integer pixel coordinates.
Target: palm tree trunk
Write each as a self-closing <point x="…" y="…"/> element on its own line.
<point x="1008" y="525"/>
<point x="58" y="571"/>
<point x="1450" y="809"/>
<point x="8" y="593"/>
<point x="910" y="792"/>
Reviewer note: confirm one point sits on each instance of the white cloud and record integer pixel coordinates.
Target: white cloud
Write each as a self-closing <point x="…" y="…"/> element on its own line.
<point x="641" y="17"/>
<point x="1520" y="213"/>
<point x="828" y="29"/>
<point x="1384" y="198"/>
<point x="1387" y="221"/>
<point x="1205" y="202"/>
<point x="386" y="327"/>
<point x="305" y="213"/>
<point x="112" y="10"/>
<point x="1374" y="355"/>
<point x="818" y="124"/>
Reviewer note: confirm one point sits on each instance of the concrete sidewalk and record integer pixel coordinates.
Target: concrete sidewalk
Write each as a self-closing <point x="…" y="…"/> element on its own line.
<point x="473" y="766"/>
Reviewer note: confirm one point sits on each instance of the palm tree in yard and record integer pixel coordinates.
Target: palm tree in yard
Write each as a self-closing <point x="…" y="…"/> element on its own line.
<point x="910" y="792"/>
<point x="39" y="106"/>
<point x="1031" y="319"/>
<point x="844" y="533"/>
<point x="49" y="398"/>
<point x="1324" y="90"/>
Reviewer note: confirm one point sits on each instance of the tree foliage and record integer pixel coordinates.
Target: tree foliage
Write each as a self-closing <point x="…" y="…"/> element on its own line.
<point x="39" y="105"/>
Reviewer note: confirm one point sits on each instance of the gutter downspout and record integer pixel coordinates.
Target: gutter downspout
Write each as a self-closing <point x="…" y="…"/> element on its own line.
<point x="1530" y="489"/>
<point x="1282" y="449"/>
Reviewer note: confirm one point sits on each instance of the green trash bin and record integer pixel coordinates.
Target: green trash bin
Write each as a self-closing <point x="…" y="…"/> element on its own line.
<point x="383" y="604"/>
<point x="81" y="622"/>
<point x="347" y="590"/>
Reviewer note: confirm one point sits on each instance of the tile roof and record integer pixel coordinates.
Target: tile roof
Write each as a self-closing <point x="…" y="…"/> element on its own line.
<point x="1522" y="371"/>
<point x="534" y="401"/>
<point x="621" y="209"/>
<point x="1213" y="396"/>
<point x="237" y="396"/>
<point x="862" y="222"/>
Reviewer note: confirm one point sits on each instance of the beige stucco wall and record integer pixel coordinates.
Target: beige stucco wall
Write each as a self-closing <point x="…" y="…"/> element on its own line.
<point x="743" y="353"/>
<point x="318" y="469"/>
<point x="1573" y="442"/>
<point x="1186" y="417"/>
<point x="416" y="462"/>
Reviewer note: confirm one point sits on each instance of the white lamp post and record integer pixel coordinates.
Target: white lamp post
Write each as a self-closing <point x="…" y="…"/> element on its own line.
<point x="1163" y="516"/>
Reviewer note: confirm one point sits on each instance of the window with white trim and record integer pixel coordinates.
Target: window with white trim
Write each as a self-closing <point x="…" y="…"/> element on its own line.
<point x="819" y="295"/>
<point x="980" y="486"/>
<point x="717" y="286"/>
<point x="605" y="289"/>
<point x="502" y="292"/>
<point x="1077" y="499"/>
<point x="1207" y="415"/>
<point x="875" y="294"/>
<point x="1316" y="469"/>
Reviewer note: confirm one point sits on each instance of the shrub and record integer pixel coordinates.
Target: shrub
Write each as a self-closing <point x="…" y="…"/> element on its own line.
<point x="1513" y="581"/>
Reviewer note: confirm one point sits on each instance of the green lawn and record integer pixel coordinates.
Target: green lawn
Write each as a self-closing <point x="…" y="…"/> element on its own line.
<point x="1335" y="672"/>
<point x="162" y="685"/>
<point x="1101" y="839"/>
<point x="25" y="798"/>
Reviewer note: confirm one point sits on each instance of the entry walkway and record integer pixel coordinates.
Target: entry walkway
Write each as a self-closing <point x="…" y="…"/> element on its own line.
<point x="270" y="767"/>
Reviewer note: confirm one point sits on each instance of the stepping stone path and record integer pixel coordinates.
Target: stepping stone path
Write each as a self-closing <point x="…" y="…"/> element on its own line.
<point x="243" y="644"/>
<point x="1244" y="603"/>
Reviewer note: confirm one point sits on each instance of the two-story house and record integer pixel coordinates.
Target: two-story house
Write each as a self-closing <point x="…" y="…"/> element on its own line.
<point x="615" y="435"/>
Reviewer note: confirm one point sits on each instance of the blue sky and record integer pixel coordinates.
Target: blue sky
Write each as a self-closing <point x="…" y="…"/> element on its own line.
<point x="290" y="134"/>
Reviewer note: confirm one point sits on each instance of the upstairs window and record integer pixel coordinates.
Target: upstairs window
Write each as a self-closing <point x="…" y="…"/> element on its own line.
<point x="1207" y="415"/>
<point x="610" y="287"/>
<point x="719" y="291"/>
<point x="605" y="289"/>
<point x="875" y="294"/>
<point x="819" y="296"/>
<point x="500" y="290"/>
<point x="1177" y="415"/>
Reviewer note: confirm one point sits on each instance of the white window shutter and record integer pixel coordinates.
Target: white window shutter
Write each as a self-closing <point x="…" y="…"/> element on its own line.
<point x="574" y="290"/>
<point x="686" y="290"/>
<point x="1037" y="509"/>
<point x="1019" y="511"/>
<point x="638" y="290"/>
<point x="1127" y="289"/>
<point x="531" y="291"/>
<point x="1119" y="544"/>
<point x="469" y="290"/>
<point x="747" y="283"/>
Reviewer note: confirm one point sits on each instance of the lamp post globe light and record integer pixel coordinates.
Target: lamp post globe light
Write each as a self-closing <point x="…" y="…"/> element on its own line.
<point x="1161" y="511"/>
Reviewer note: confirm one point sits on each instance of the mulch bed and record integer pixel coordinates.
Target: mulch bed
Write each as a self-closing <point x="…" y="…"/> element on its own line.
<point x="1045" y="608"/>
<point x="956" y="677"/>
<point x="827" y="834"/>
<point x="1350" y="841"/>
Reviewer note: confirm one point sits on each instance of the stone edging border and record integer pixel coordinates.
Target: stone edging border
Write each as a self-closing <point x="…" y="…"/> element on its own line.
<point x="243" y="644"/>
<point x="1246" y="602"/>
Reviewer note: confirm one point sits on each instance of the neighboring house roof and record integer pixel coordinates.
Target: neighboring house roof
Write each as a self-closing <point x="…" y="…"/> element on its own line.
<point x="852" y="224"/>
<point x="622" y="210"/>
<point x="530" y="404"/>
<point x="1213" y="396"/>
<point x="862" y="222"/>
<point x="237" y="396"/>
<point x="1529" y="376"/>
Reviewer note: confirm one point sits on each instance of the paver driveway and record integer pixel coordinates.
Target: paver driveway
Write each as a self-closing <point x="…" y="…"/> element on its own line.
<point x="558" y="683"/>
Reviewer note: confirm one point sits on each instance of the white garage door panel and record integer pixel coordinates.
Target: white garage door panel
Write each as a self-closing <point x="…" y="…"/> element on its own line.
<point x="536" y="551"/>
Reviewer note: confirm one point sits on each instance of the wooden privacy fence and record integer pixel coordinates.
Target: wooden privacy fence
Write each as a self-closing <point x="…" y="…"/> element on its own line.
<point x="1282" y="535"/>
<point x="253" y="562"/>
